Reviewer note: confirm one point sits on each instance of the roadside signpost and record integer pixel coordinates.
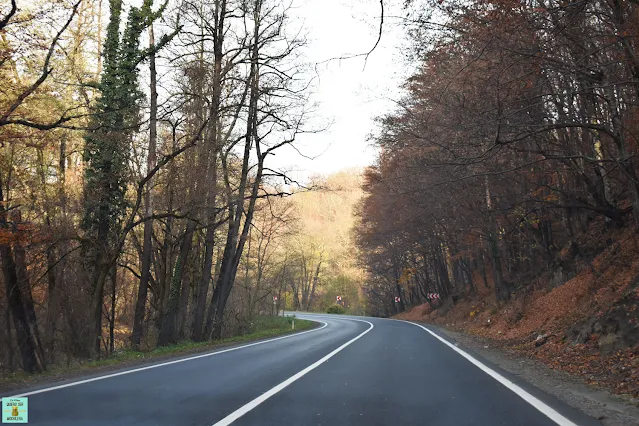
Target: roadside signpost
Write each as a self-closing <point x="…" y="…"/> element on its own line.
<point x="432" y="296"/>
<point x="339" y="299"/>
<point x="397" y="299"/>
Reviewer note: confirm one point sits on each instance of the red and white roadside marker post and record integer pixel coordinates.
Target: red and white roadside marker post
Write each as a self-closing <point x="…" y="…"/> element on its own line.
<point x="431" y="297"/>
<point x="398" y="306"/>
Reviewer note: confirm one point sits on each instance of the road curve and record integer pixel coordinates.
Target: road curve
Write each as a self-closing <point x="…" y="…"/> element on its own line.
<point x="352" y="371"/>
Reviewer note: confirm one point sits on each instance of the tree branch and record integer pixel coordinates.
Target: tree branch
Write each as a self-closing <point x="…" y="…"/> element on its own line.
<point x="46" y="71"/>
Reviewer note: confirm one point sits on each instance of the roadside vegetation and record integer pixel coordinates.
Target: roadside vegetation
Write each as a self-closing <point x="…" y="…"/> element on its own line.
<point x="335" y="309"/>
<point x="260" y="328"/>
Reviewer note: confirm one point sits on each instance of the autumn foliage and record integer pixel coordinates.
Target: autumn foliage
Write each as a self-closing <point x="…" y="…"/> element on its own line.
<point x="507" y="175"/>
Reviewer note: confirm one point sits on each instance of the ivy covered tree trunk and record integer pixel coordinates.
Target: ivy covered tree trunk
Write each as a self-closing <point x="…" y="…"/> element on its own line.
<point x="106" y="152"/>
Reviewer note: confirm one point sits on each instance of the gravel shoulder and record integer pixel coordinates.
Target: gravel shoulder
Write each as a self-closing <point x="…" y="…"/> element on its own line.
<point x="610" y="409"/>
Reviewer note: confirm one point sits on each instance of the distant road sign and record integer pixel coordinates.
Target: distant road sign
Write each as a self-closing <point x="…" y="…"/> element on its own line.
<point x="397" y="299"/>
<point x="339" y="298"/>
<point x="433" y="296"/>
<point x="274" y="298"/>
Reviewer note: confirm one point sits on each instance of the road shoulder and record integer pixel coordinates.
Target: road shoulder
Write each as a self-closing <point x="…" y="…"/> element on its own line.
<point x="610" y="409"/>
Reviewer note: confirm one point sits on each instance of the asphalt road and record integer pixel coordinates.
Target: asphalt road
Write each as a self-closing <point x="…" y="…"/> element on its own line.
<point x="352" y="371"/>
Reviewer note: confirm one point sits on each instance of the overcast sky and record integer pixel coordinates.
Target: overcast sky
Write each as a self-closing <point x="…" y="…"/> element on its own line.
<point x="348" y="94"/>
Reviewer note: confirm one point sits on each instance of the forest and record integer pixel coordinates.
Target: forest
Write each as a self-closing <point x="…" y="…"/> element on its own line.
<point x="139" y="206"/>
<point x="511" y="161"/>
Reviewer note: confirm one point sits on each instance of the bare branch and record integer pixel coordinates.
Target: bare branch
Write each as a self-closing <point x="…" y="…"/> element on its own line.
<point x="46" y="71"/>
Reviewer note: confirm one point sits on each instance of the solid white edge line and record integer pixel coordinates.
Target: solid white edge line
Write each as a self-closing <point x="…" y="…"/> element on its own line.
<point x="260" y="399"/>
<point x="544" y="408"/>
<point x="149" y="367"/>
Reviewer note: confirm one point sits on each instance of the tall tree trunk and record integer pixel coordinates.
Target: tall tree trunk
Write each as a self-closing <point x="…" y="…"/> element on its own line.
<point x="52" y="303"/>
<point x="147" y="246"/>
<point x="209" y="239"/>
<point x="493" y="248"/>
<point x="27" y="343"/>
<point x="234" y="247"/>
<point x="52" y="308"/>
<point x="228" y="270"/>
<point x="185" y="294"/>
<point x="168" y="330"/>
<point x="203" y="287"/>
<point x="315" y="280"/>
<point x="213" y="145"/>
<point x="168" y="250"/>
<point x="56" y="271"/>
<point x="296" y="295"/>
<point x="114" y="281"/>
<point x="94" y="328"/>
<point x="25" y="288"/>
<point x="441" y="268"/>
<point x="8" y="338"/>
<point x="304" y="283"/>
<point x="620" y="22"/>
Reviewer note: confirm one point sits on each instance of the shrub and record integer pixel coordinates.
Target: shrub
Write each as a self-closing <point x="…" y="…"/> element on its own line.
<point x="335" y="309"/>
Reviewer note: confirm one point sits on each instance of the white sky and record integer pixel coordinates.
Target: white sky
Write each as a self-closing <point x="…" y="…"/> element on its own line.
<point x="348" y="94"/>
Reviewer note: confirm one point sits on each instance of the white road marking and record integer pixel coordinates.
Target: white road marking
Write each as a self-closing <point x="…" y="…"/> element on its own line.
<point x="149" y="367"/>
<point x="544" y="408"/>
<point x="260" y="399"/>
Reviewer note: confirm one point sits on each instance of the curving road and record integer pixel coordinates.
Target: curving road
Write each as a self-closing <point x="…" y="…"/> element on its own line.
<point x="350" y="371"/>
